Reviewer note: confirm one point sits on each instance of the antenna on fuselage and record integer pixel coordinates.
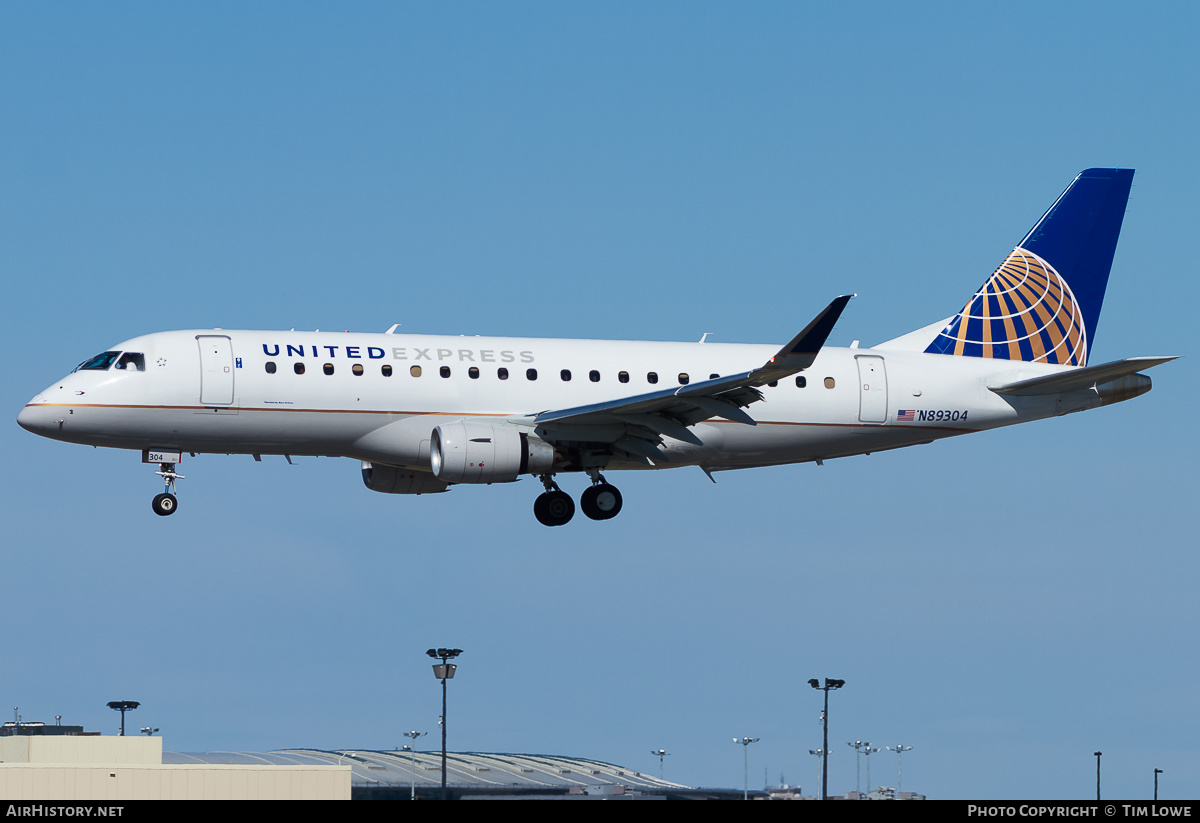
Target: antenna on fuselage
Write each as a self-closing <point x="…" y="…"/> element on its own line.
<point x="392" y="330"/>
<point x="706" y="334"/>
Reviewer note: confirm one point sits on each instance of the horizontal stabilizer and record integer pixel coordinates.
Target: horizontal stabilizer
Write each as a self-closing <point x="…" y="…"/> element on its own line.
<point x="1077" y="379"/>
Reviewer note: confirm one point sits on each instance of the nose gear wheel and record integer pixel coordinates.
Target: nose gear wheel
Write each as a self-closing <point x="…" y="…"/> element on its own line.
<point x="165" y="504"/>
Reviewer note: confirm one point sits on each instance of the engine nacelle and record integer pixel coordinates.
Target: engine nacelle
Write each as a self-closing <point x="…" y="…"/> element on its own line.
<point x="391" y="480"/>
<point x="471" y="452"/>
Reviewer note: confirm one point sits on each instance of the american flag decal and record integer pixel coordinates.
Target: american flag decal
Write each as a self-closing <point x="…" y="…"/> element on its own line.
<point x="905" y="415"/>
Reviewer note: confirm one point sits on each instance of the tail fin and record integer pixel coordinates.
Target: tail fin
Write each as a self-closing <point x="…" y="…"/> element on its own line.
<point x="1043" y="302"/>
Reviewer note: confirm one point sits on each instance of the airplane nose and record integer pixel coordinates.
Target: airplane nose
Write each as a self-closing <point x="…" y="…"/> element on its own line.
<point x="38" y="419"/>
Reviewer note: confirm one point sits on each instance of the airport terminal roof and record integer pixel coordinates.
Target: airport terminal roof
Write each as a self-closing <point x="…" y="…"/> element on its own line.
<point x="472" y="773"/>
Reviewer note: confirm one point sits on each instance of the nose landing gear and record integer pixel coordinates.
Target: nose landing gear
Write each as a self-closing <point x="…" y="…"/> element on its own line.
<point x="165" y="503"/>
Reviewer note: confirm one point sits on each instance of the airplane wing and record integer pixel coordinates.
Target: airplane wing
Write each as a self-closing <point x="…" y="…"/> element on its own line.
<point x="635" y="424"/>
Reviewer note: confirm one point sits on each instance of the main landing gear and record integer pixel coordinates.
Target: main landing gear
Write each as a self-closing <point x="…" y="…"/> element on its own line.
<point x="554" y="507"/>
<point x="165" y="503"/>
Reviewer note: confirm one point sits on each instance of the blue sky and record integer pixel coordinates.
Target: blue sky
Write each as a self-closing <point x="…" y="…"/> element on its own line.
<point x="1006" y="603"/>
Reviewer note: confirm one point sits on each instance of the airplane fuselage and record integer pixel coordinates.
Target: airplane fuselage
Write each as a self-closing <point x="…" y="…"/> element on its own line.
<point x="378" y="397"/>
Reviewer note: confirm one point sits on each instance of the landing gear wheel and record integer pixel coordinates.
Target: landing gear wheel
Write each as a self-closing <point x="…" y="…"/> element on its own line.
<point x="601" y="502"/>
<point x="164" y="504"/>
<point x="554" y="508"/>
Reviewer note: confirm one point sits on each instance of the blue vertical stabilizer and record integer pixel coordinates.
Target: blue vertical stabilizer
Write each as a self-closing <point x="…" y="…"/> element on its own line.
<point x="1043" y="303"/>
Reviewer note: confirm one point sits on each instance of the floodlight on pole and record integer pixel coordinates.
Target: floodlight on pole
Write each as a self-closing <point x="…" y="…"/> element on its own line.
<point x="746" y="741"/>
<point x="858" y="745"/>
<point x="899" y="750"/>
<point x="830" y="685"/>
<point x="444" y="671"/>
<point x="412" y="756"/>
<point x="820" y="755"/>
<point x="867" y="752"/>
<point x="660" y="754"/>
<point x="123" y="706"/>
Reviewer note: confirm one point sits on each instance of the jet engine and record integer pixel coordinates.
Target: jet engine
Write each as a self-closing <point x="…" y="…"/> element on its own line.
<point x="473" y="452"/>
<point x="391" y="480"/>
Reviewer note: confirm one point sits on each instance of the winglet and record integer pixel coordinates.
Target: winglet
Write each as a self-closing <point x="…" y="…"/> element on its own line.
<point x="800" y="353"/>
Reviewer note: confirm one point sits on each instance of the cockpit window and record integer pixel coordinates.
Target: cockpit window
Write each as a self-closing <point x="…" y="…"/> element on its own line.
<point x="101" y="362"/>
<point x="132" y="361"/>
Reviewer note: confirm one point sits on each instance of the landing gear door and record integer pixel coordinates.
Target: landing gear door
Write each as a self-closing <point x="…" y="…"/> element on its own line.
<point x="872" y="385"/>
<point x="216" y="370"/>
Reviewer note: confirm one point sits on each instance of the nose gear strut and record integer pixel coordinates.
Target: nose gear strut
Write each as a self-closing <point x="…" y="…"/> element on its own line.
<point x="165" y="503"/>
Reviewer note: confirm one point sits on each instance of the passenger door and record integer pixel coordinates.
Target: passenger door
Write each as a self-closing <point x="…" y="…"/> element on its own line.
<point x="872" y="387"/>
<point x="216" y="370"/>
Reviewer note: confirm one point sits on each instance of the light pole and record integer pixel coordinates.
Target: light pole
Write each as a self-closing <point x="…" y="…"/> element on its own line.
<point x="899" y="750"/>
<point x="746" y="741"/>
<point x="829" y="684"/>
<point x="857" y="745"/>
<point x="820" y="755"/>
<point x="123" y="706"/>
<point x="660" y="754"/>
<point x="412" y="757"/>
<point x="444" y="671"/>
<point x="1157" y="772"/>
<point x="1098" y="774"/>
<point x="868" y="751"/>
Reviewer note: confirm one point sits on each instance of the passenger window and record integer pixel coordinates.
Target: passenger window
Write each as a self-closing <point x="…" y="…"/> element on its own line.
<point x="270" y="367"/>
<point x="565" y="374"/>
<point x="623" y="376"/>
<point x="387" y="370"/>
<point x="652" y="377"/>
<point x="594" y="376"/>
<point x="415" y="371"/>
<point x="473" y="373"/>
<point x="298" y="368"/>
<point x="684" y="379"/>
<point x="531" y="374"/>
<point x="328" y="367"/>
<point x="357" y="369"/>
<point x="502" y="373"/>
<point x="713" y="376"/>
<point x="829" y="382"/>
<point x="445" y="371"/>
<point x="801" y="382"/>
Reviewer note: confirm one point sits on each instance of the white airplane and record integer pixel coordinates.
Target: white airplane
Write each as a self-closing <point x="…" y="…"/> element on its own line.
<point x="424" y="413"/>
